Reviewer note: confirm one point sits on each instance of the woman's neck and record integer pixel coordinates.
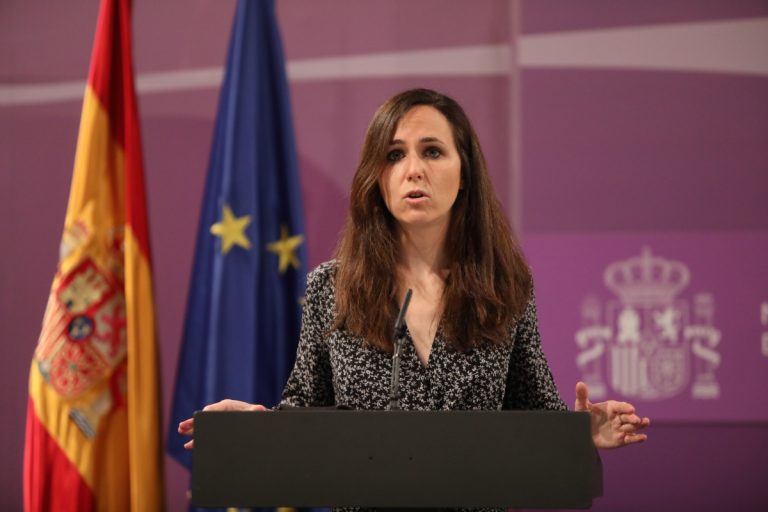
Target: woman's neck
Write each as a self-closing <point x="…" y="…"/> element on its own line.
<point x="422" y="268"/>
<point x="422" y="251"/>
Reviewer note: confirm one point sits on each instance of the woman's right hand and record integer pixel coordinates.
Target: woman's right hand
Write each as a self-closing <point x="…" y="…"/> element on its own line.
<point x="187" y="427"/>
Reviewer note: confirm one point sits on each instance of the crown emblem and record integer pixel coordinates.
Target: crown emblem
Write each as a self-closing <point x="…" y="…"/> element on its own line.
<point x="646" y="279"/>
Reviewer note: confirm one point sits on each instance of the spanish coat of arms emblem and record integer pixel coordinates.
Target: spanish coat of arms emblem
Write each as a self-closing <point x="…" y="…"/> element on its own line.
<point x="649" y="342"/>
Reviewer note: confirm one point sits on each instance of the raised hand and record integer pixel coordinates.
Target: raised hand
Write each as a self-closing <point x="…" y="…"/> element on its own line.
<point x="187" y="427"/>
<point x="614" y="424"/>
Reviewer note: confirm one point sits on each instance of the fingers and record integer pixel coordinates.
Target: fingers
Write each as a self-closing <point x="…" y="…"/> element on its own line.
<point x="582" y="397"/>
<point x="622" y="407"/>
<point x="632" y="419"/>
<point x="629" y="428"/>
<point x="223" y="405"/>
<point x="234" y="405"/>
<point x="631" y="422"/>
<point x="624" y="420"/>
<point x="634" y="438"/>
<point x="187" y="427"/>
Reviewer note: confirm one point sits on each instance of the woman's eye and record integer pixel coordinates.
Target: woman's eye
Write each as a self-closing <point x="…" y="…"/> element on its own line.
<point x="395" y="155"/>
<point x="433" y="152"/>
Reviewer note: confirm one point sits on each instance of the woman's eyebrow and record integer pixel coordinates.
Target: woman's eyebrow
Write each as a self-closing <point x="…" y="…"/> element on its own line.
<point x="395" y="142"/>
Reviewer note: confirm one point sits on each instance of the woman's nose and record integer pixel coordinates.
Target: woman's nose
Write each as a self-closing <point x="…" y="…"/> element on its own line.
<point x="414" y="170"/>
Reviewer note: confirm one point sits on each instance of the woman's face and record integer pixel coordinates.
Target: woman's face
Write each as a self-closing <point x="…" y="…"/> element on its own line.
<point x="423" y="174"/>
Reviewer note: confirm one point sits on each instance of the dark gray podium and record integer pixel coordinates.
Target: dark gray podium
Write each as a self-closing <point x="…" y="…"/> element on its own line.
<point x="403" y="459"/>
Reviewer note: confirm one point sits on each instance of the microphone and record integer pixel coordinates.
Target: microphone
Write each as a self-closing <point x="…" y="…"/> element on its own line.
<point x="399" y="339"/>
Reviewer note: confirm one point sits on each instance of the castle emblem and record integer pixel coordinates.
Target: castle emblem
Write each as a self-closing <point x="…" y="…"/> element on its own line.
<point x="83" y="337"/>
<point x="649" y="342"/>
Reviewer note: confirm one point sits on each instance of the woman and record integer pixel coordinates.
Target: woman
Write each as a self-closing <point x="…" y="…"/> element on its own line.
<point x="423" y="215"/>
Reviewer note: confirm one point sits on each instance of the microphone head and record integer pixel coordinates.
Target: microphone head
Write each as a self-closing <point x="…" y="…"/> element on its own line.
<point x="400" y="322"/>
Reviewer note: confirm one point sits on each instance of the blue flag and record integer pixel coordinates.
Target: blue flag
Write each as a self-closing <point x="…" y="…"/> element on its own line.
<point x="244" y="311"/>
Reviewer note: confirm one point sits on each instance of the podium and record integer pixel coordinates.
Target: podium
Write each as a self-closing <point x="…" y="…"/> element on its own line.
<point x="394" y="459"/>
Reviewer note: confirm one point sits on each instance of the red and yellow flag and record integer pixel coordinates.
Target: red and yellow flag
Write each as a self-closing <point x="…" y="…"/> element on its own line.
<point x="93" y="421"/>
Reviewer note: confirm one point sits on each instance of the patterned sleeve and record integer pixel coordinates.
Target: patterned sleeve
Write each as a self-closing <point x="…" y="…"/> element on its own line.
<point x="529" y="383"/>
<point x="310" y="383"/>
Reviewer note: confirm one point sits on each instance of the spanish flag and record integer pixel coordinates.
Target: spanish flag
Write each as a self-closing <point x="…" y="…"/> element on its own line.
<point x="93" y="421"/>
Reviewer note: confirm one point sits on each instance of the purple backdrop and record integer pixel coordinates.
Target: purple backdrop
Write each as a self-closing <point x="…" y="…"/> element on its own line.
<point x="626" y="141"/>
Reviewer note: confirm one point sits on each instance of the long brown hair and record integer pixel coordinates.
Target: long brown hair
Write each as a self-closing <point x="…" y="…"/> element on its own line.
<point x="488" y="284"/>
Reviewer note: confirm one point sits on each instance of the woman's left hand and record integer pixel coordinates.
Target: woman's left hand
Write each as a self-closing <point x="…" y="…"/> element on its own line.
<point x="614" y="424"/>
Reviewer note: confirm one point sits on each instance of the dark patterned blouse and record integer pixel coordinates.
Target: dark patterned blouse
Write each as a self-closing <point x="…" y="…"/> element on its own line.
<point x="339" y="369"/>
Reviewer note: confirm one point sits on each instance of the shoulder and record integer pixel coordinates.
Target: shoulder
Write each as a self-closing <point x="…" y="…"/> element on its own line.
<point x="320" y="297"/>
<point x="320" y="283"/>
<point x="526" y="323"/>
<point x="530" y="308"/>
<point x="322" y="275"/>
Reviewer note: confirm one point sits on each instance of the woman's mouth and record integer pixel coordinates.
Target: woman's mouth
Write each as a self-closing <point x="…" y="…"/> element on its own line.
<point x="415" y="196"/>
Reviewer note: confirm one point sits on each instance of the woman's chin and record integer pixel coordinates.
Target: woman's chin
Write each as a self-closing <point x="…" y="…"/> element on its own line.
<point x="421" y="221"/>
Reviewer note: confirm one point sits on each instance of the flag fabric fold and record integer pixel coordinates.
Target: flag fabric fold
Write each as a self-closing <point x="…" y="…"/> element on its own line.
<point x="93" y="420"/>
<point x="244" y="304"/>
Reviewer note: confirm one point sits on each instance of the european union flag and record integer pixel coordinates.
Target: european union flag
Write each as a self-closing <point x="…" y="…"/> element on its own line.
<point x="244" y="311"/>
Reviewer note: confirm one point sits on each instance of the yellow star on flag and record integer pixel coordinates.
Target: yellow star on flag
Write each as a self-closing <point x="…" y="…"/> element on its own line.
<point x="285" y="248"/>
<point x="231" y="230"/>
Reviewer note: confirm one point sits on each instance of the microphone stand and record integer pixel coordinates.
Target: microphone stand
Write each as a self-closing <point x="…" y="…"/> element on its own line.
<point x="399" y="339"/>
